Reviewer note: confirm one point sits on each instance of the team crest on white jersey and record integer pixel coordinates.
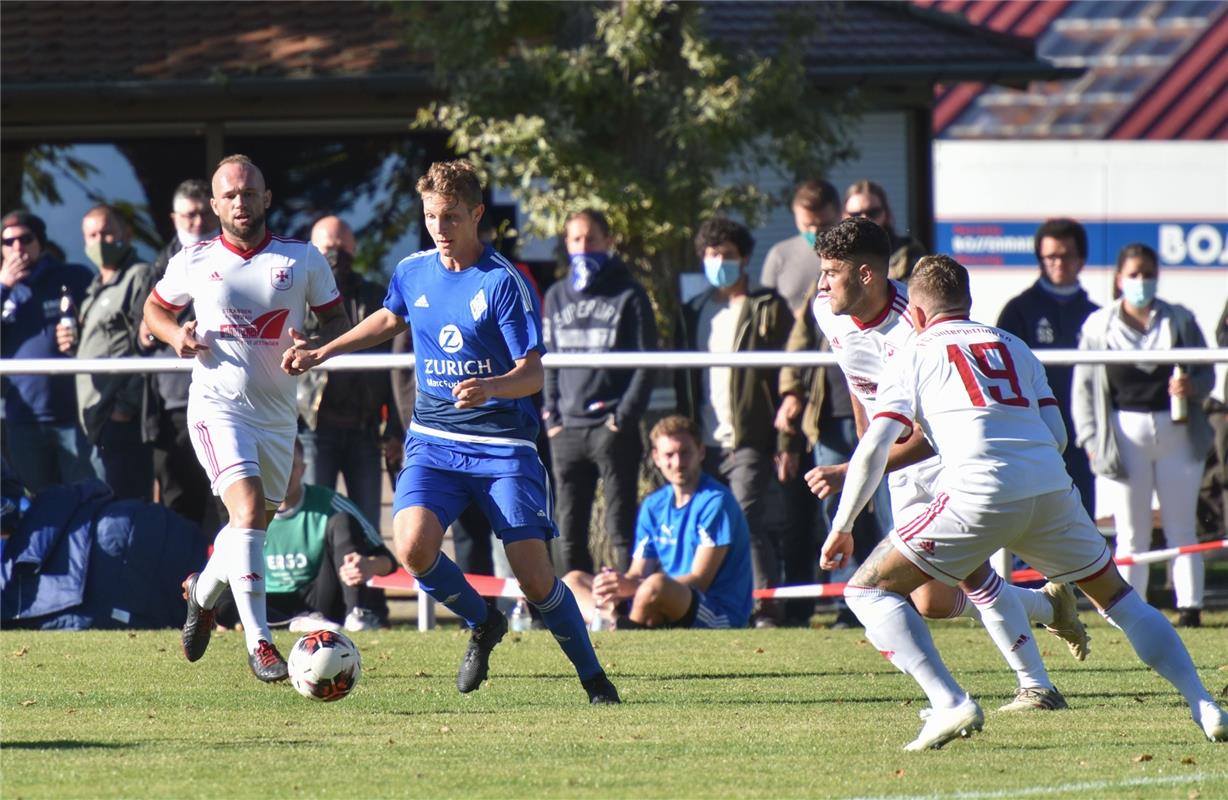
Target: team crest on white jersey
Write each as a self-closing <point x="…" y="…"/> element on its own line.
<point x="450" y="339"/>
<point x="477" y="304"/>
<point x="421" y="302"/>
<point x="282" y="278"/>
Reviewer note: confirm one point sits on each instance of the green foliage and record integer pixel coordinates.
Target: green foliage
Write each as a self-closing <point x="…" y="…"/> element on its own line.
<point x="708" y="714"/>
<point x="630" y="108"/>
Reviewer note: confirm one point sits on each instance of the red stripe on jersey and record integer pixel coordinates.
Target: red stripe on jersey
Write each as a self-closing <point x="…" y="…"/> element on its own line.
<point x="918" y="523"/>
<point x="1048" y="401"/>
<point x="900" y="418"/>
<point x="167" y="304"/>
<point x="207" y="445"/>
<point x="882" y="315"/>
<point x="268" y="237"/>
<point x="328" y="305"/>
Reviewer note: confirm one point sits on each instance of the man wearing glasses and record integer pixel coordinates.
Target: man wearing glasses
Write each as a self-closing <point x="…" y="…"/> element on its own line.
<point x="41" y="430"/>
<point x="868" y="199"/>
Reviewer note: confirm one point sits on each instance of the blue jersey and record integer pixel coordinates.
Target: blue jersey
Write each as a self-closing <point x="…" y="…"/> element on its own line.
<point x="475" y="323"/>
<point x="712" y="518"/>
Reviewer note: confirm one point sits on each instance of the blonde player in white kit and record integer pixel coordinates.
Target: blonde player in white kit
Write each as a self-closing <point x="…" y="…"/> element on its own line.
<point x="982" y="400"/>
<point x="864" y="316"/>
<point x="250" y="290"/>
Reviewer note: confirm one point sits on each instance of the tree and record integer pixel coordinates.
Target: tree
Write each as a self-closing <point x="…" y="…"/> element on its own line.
<point x="632" y="108"/>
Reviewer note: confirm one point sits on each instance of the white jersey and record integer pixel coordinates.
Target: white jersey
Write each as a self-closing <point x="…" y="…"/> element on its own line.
<point x="863" y="348"/>
<point x="976" y="391"/>
<point x="245" y="304"/>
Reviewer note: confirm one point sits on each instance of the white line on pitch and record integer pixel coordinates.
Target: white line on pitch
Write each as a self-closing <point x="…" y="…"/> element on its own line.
<point x="1068" y="787"/>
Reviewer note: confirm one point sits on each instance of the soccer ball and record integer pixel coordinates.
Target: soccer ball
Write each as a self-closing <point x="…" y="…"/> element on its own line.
<point x="324" y="665"/>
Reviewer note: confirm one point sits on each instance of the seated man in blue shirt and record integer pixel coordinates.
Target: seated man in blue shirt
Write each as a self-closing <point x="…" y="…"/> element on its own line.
<point x="691" y="564"/>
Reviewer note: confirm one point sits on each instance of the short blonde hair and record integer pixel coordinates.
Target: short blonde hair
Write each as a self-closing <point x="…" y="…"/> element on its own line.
<point x="940" y="284"/>
<point x="675" y="425"/>
<point x="457" y="180"/>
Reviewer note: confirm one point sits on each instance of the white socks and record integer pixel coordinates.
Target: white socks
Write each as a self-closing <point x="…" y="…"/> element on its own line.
<point x="238" y="560"/>
<point x="1004" y="618"/>
<point x="1159" y="647"/>
<point x="899" y="633"/>
<point x="1035" y="604"/>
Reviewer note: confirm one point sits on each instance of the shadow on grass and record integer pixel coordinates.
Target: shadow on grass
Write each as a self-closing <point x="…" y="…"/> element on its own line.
<point x="63" y="744"/>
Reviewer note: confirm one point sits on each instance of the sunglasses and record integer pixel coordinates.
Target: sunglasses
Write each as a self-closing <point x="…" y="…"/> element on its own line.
<point x="872" y="213"/>
<point x="26" y="240"/>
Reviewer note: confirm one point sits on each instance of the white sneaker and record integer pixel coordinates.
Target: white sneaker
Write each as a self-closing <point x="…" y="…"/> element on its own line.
<point x="943" y="725"/>
<point x="1214" y="722"/>
<point x="361" y="619"/>
<point x="315" y="621"/>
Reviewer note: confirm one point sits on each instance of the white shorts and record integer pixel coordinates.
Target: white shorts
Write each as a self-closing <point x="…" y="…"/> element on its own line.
<point x="1052" y="532"/>
<point x="913" y="487"/>
<point x="230" y="448"/>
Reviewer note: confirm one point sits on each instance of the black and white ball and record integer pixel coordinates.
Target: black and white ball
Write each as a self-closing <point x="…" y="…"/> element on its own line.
<point x="324" y="665"/>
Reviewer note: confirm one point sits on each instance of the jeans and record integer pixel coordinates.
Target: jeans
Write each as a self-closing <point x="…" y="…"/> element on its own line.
<point x="123" y="461"/>
<point x="43" y="453"/>
<point x="580" y="457"/>
<point x="356" y="455"/>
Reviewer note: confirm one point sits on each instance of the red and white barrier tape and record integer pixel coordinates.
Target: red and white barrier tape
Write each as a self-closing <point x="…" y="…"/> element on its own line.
<point x="489" y="586"/>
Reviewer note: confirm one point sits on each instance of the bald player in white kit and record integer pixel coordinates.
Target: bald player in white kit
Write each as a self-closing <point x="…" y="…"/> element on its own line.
<point x="250" y="290"/>
<point x="864" y="316"/>
<point x="982" y="399"/>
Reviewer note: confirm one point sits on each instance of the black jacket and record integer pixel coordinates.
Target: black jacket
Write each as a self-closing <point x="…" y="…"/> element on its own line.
<point x="614" y="315"/>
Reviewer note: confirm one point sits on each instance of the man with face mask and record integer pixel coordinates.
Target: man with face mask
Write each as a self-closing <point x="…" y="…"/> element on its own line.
<point x="182" y="484"/>
<point x="109" y="325"/>
<point x="736" y="407"/>
<point x="592" y="415"/>
<point x="344" y="428"/>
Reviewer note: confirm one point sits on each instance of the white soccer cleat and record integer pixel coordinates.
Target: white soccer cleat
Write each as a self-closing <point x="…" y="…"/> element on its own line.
<point x="1214" y="722"/>
<point x="943" y="725"/>
<point x="1066" y="624"/>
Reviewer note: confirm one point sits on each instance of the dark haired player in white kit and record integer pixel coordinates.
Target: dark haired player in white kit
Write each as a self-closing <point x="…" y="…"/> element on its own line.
<point x="983" y="402"/>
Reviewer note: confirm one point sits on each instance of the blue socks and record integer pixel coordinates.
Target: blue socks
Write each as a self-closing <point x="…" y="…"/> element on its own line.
<point x="446" y="583"/>
<point x="562" y="617"/>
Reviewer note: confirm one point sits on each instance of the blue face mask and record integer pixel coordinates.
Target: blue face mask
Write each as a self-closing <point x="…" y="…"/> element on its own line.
<point x="811" y="237"/>
<point x="585" y="267"/>
<point x="722" y="272"/>
<point x="1138" y="292"/>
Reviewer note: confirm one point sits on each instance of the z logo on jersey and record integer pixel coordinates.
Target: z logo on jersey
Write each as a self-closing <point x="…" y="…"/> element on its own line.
<point x="450" y="339"/>
<point x="281" y="278"/>
<point x="265" y="329"/>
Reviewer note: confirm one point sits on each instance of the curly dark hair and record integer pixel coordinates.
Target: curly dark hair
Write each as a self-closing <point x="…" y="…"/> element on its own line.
<point x="718" y="230"/>
<point x="858" y="240"/>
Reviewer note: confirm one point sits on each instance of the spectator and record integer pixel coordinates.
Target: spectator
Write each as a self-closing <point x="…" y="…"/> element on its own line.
<point x="182" y="483"/>
<point x="350" y="426"/>
<point x="1050" y="313"/>
<point x="792" y="266"/>
<point x="109" y="321"/>
<point x="736" y="407"/>
<point x="692" y="563"/>
<point x="40" y="411"/>
<point x="593" y="414"/>
<point x="1122" y="418"/>
<point x="319" y="553"/>
<point x="866" y="198"/>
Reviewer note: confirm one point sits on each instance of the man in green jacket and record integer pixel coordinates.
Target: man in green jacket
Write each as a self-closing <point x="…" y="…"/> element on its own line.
<point x="736" y="407"/>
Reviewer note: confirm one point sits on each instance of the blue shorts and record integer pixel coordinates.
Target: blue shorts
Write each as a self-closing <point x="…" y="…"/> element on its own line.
<point x="703" y="613"/>
<point x="517" y="506"/>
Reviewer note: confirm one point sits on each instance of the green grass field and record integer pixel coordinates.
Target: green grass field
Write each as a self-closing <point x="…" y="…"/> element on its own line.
<point x="773" y="714"/>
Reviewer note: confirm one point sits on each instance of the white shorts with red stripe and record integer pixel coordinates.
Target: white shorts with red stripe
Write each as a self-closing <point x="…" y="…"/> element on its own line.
<point x="230" y="447"/>
<point x="913" y="487"/>
<point x="949" y="538"/>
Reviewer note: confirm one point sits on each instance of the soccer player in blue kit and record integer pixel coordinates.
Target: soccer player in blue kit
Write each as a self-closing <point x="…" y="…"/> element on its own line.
<point x="478" y="346"/>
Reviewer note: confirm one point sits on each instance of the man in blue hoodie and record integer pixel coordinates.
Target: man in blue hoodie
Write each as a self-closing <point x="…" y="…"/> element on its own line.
<point x="592" y="415"/>
<point x="1050" y="314"/>
<point x="41" y="431"/>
